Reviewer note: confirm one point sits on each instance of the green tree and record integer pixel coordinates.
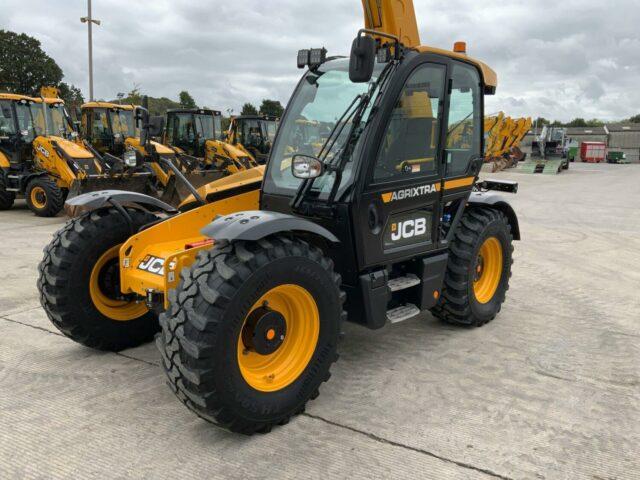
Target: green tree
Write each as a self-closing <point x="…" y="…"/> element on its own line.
<point x="186" y="100"/>
<point x="635" y="119"/>
<point x="249" y="109"/>
<point x="71" y="95"/>
<point x="541" y="122"/>
<point x="577" y="122"/>
<point x="24" y="66"/>
<point x="272" y="108"/>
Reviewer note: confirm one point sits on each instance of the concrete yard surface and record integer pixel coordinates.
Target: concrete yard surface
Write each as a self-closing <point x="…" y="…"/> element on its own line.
<point x="549" y="390"/>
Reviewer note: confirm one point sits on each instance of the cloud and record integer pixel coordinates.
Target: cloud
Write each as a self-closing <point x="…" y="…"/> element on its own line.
<point x="555" y="59"/>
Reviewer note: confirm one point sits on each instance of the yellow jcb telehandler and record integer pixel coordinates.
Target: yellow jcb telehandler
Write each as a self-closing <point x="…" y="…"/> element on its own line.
<point x="254" y="134"/>
<point x="253" y="275"/>
<point x="43" y="159"/>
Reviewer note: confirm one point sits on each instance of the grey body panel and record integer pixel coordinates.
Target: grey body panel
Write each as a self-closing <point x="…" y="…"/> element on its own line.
<point x="498" y="201"/>
<point x="94" y="200"/>
<point x="256" y="224"/>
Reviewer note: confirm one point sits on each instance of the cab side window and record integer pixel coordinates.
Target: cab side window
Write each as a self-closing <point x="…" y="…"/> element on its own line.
<point x="465" y="125"/>
<point x="100" y="124"/>
<point x="7" y="125"/>
<point x="410" y="142"/>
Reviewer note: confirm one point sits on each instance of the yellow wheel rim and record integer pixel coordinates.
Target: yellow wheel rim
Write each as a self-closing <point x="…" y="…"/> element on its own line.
<point x="277" y="370"/>
<point x="119" y="310"/>
<point x="488" y="270"/>
<point x="38" y="197"/>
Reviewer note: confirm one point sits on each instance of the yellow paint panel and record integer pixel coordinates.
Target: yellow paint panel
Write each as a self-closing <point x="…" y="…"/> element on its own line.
<point x="72" y="149"/>
<point x="4" y="161"/>
<point x="168" y="240"/>
<point x="459" y="183"/>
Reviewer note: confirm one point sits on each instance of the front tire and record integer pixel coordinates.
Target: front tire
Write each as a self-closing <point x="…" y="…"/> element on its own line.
<point x="479" y="269"/>
<point x="252" y="332"/>
<point x="44" y="197"/>
<point x="79" y="283"/>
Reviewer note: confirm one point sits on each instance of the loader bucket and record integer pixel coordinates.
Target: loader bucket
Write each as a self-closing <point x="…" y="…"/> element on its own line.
<point x="139" y="183"/>
<point x="175" y="192"/>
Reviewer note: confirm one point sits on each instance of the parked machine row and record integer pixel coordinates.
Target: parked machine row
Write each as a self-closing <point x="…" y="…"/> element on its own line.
<point x="46" y="160"/>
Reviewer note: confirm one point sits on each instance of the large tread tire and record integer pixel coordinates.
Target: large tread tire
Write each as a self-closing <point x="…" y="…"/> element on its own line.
<point x="206" y="313"/>
<point x="54" y="197"/>
<point x="63" y="282"/>
<point x="6" y="198"/>
<point x="458" y="304"/>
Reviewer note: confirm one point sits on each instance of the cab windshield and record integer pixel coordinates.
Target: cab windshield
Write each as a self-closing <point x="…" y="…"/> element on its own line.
<point x="205" y="126"/>
<point x="271" y="127"/>
<point x="57" y="120"/>
<point x="122" y="123"/>
<point x="318" y="104"/>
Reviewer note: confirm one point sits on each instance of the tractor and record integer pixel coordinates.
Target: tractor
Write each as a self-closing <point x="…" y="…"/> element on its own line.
<point x="249" y="281"/>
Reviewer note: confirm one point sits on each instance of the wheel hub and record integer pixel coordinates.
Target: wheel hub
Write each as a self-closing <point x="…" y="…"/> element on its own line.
<point x="109" y="279"/>
<point x="264" y="331"/>
<point x="479" y="270"/>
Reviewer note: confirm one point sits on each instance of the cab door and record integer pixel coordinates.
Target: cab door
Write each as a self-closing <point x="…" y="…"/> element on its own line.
<point x="397" y="216"/>
<point x="8" y="132"/>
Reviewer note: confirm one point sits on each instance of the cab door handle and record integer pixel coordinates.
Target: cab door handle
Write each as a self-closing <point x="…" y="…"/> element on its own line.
<point x="373" y="219"/>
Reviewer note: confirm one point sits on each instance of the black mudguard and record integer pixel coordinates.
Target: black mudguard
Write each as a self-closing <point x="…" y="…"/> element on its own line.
<point x="499" y="202"/>
<point x="95" y="200"/>
<point x="255" y="225"/>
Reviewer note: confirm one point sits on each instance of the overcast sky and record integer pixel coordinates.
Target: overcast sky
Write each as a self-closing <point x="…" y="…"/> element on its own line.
<point x="556" y="58"/>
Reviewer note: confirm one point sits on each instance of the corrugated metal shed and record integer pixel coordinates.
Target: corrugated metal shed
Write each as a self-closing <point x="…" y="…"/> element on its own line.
<point x="627" y="139"/>
<point x="587" y="134"/>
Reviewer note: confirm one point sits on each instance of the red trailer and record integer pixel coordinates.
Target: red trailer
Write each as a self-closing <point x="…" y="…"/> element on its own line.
<point x="593" y="152"/>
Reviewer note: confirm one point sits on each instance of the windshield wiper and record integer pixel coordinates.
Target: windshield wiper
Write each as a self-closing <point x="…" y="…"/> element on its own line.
<point x="353" y="115"/>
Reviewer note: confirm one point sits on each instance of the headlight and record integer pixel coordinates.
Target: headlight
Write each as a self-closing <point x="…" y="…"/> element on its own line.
<point x="130" y="158"/>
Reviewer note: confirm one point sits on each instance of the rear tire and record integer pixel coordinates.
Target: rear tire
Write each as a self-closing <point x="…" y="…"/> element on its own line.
<point x="98" y="319"/>
<point x="6" y="198"/>
<point x="44" y="197"/>
<point x="203" y="346"/>
<point x="468" y="297"/>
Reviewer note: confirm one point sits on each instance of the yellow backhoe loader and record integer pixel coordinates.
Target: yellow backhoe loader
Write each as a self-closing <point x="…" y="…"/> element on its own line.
<point x="43" y="159"/>
<point x="117" y="129"/>
<point x="196" y="135"/>
<point x="250" y="279"/>
<point x="254" y="134"/>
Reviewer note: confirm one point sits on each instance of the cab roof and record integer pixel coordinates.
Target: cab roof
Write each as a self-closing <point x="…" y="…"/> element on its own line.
<point x="116" y="106"/>
<point x="17" y="97"/>
<point x="489" y="75"/>
<point x="208" y="111"/>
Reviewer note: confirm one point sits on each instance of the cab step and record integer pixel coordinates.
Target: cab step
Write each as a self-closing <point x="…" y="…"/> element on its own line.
<point x="402" y="283"/>
<point x="402" y="313"/>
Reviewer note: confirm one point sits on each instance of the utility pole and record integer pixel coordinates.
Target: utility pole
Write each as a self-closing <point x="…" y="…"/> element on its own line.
<point x="89" y="20"/>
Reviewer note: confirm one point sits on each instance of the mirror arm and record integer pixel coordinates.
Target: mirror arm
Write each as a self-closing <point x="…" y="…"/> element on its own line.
<point x="375" y="33"/>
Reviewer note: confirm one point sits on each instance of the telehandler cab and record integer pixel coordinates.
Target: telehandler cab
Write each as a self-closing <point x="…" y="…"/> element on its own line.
<point x="254" y="134"/>
<point x="253" y="277"/>
<point x="43" y="159"/>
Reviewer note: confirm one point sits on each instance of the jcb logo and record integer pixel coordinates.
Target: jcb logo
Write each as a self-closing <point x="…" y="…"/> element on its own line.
<point x="408" y="229"/>
<point x="43" y="151"/>
<point x="153" y="265"/>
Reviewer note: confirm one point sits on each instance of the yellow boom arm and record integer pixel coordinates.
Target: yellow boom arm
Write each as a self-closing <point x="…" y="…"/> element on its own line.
<point x="394" y="17"/>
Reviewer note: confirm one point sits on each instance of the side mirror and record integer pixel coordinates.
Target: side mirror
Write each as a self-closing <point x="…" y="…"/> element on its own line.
<point x="363" y="59"/>
<point x="305" y="167"/>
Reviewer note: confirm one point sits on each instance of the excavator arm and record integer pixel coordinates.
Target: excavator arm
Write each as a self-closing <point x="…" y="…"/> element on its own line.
<point x="394" y="17"/>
